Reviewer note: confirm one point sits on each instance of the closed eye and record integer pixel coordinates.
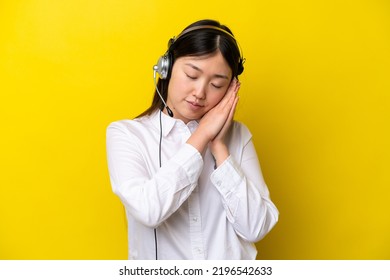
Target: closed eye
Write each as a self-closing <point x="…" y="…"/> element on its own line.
<point x="191" y="77"/>
<point x="216" y="86"/>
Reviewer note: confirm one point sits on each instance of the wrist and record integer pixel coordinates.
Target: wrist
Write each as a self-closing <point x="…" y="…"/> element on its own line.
<point x="220" y="151"/>
<point x="198" y="141"/>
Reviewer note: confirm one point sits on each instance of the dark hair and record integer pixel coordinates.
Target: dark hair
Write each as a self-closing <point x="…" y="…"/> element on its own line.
<point x="197" y="43"/>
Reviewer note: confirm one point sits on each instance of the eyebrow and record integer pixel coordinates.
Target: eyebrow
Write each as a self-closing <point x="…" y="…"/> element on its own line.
<point x="200" y="70"/>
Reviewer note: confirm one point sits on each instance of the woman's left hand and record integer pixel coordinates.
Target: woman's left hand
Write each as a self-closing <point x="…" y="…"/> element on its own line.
<point x="218" y="145"/>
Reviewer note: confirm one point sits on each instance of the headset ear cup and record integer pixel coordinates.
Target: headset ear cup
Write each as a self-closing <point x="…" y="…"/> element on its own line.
<point x="163" y="66"/>
<point x="169" y="64"/>
<point x="240" y="67"/>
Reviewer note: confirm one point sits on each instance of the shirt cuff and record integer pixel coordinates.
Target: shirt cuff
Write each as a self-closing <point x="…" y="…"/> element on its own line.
<point x="227" y="177"/>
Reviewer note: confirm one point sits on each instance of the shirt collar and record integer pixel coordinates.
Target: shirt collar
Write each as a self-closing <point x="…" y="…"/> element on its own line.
<point x="168" y="123"/>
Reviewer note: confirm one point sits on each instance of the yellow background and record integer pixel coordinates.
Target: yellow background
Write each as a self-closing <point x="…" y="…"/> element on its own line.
<point x="315" y="94"/>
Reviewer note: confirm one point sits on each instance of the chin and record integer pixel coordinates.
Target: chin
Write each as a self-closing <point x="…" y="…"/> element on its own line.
<point x="193" y="117"/>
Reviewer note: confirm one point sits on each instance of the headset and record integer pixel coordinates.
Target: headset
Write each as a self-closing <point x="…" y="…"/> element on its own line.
<point x="165" y="62"/>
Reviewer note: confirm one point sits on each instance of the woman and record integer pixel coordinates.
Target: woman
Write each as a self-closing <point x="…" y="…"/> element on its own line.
<point x="187" y="174"/>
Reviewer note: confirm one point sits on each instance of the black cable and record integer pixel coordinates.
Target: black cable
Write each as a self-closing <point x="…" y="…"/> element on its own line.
<point x="159" y="161"/>
<point x="159" y="146"/>
<point x="155" y="242"/>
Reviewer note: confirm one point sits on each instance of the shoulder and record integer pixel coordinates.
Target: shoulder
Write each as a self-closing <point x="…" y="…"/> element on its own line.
<point x="238" y="138"/>
<point x="130" y="126"/>
<point x="241" y="131"/>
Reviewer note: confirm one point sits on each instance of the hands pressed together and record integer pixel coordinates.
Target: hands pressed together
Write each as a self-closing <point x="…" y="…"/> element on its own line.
<point x="215" y="124"/>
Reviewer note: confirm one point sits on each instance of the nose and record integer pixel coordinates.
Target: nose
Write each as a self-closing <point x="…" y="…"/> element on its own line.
<point x="200" y="90"/>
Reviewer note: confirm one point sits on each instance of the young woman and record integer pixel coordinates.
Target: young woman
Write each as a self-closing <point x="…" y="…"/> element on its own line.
<point x="186" y="172"/>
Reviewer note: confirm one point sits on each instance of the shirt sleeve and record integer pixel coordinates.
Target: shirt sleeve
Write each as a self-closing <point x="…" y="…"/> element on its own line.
<point x="245" y="195"/>
<point x="151" y="199"/>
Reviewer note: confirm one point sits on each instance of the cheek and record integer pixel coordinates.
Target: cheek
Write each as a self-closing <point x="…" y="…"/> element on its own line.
<point x="173" y="89"/>
<point x="214" y="99"/>
<point x="176" y="87"/>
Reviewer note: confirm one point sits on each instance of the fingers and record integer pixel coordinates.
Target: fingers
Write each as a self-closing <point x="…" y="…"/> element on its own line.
<point x="230" y="95"/>
<point x="219" y="118"/>
<point x="230" y="115"/>
<point x="233" y="87"/>
<point x="231" y="98"/>
<point x="233" y="109"/>
<point x="234" y="97"/>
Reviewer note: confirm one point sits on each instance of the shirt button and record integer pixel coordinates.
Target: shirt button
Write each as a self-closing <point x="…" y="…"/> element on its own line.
<point x="195" y="219"/>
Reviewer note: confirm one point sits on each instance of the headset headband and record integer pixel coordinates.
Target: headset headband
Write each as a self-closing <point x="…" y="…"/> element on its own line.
<point x="164" y="64"/>
<point x="188" y="30"/>
<point x="212" y="27"/>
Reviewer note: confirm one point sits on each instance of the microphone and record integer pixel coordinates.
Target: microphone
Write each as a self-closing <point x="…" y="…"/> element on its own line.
<point x="170" y="113"/>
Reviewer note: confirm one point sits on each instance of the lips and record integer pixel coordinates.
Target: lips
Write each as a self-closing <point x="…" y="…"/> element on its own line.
<point x="194" y="104"/>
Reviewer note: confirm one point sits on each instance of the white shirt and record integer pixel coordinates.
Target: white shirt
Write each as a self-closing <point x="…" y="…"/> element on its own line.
<point x="199" y="212"/>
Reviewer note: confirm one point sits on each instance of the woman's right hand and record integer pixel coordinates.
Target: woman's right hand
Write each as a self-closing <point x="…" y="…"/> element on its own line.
<point x="214" y="120"/>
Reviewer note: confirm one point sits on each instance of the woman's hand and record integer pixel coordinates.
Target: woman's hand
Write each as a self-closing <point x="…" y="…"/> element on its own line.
<point x="215" y="123"/>
<point x="218" y="145"/>
<point x="234" y="87"/>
